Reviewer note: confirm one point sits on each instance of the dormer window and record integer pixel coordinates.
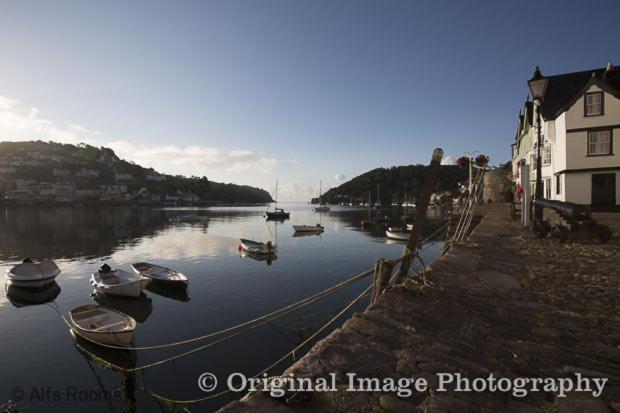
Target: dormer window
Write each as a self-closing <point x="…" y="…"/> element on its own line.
<point x="594" y="104"/>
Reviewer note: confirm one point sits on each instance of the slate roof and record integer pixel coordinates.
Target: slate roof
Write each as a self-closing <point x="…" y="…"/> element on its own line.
<point x="563" y="90"/>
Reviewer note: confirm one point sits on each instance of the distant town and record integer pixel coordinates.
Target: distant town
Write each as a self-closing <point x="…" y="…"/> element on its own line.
<point x="39" y="173"/>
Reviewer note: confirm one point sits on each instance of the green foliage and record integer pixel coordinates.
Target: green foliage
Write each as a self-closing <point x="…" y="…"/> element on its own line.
<point x="74" y="158"/>
<point x="398" y="182"/>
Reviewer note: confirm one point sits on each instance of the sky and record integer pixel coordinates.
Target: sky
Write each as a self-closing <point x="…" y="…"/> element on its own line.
<point x="297" y="90"/>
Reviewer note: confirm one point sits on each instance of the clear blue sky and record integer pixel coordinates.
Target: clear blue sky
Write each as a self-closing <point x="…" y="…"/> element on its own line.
<point x="300" y="90"/>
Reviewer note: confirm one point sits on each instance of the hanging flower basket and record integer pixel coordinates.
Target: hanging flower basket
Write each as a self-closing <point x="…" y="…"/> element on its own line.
<point x="482" y="160"/>
<point x="463" y="161"/>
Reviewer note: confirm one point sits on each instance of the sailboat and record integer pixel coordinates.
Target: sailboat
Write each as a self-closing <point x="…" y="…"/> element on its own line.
<point x="277" y="213"/>
<point x="378" y="203"/>
<point x="322" y="207"/>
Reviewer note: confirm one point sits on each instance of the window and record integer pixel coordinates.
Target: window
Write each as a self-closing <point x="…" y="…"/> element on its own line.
<point x="548" y="188"/>
<point x="599" y="142"/>
<point x="533" y="162"/>
<point x="594" y="104"/>
<point x="546" y="155"/>
<point x="558" y="184"/>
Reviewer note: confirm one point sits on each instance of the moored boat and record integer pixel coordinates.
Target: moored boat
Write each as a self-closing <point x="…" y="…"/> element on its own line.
<point x="255" y="247"/>
<point x="118" y="282"/>
<point x="397" y="234"/>
<point x="159" y="274"/>
<point x="309" y="228"/>
<point x="102" y="325"/>
<point x="32" y="274"/>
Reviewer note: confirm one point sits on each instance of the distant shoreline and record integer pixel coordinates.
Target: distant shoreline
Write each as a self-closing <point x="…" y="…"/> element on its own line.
<point x="125" y="204"/>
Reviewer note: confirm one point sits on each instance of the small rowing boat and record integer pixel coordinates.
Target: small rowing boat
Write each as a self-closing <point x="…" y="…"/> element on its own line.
<point x="102" y="325"/>
<point x="397" y="234"/>
<point x="33" y="274"/>
<point x="309" y="228"/>
<point x="255" y="247"/>
<point x="159" y="274"/>
<point x="118" y="282"/>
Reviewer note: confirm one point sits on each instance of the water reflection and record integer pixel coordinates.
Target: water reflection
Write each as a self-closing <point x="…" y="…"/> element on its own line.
<point x="22" y="296"/>
<point x="139" y="308"/>
<point x="117" y="360"/>
<point x="175" y="292"/>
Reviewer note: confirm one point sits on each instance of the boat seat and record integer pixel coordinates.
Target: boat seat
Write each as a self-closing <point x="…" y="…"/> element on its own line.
<point x="110" y="325"/>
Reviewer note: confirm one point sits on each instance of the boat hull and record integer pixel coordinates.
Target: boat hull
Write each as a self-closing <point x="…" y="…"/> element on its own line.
<point x="33" y="275"/>
<point x="399" y="236"/>
<point x="124" y="287"/>
<point x="160" y="275"/>
<point x="254" y="247"/>
<point x="308" y="228"/>
<point x="121" y="338"/>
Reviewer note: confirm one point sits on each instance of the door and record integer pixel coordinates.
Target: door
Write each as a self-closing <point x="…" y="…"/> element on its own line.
<point x="603" y="189"/>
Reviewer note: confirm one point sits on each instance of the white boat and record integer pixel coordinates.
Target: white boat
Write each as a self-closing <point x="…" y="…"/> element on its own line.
<point x="309" y="228"/>
<point x="397" y="234"/>
<point x="255" y="247"/>
<point x="102" y="325"/>
<point x="118" y="282"/>
<point x="33" y="274"/>
<point x="159" y="274"/>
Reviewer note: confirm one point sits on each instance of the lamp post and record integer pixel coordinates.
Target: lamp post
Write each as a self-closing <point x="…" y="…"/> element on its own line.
<point x="470" y="155"/>
<point x="538" y="85"/>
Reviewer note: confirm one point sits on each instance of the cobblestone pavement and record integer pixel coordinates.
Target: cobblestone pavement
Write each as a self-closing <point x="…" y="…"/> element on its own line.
<point x="504" y="303"/>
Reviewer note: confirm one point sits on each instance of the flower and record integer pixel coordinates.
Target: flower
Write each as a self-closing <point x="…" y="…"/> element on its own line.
<point x="482" y="160"/>
<point x="463" y="161"/>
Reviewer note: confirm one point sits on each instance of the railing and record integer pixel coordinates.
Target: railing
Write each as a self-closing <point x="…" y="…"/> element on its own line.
<point x="468" y="211"/>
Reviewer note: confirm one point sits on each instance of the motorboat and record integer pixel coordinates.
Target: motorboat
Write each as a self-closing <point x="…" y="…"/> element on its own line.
<point x="309" y="228"/>
<point x="255" y="247"/>
<point x="102" y="325"/>
<point x="118" y="282"/>
<point x="159" y="274"/>
<point x="397" y="234"/>
<point x="31" y="274"/>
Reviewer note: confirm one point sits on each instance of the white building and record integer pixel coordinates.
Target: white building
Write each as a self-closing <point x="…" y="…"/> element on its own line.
<point x="580" y="115"/>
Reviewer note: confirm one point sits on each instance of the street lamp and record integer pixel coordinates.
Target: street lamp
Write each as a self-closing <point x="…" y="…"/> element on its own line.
<point x="538" y="85"/>
<point x="470" y="155"/>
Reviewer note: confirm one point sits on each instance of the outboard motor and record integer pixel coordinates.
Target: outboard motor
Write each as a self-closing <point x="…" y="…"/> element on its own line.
<point x="105" y="268"/>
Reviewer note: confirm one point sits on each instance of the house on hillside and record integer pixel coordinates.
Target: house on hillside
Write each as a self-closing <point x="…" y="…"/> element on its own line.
<point x="580" y="115"/>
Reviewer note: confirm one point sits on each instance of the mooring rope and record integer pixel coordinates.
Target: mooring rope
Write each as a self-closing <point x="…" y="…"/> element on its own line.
<point x="275" y="363"/>
<point x="274" y="314"/>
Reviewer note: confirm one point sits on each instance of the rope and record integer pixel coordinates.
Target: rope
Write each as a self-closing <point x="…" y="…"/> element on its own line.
<point x="260" y="319"/>
<point x="274" y="364"/>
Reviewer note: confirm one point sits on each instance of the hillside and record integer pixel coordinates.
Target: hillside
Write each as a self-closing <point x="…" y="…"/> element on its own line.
<point x="37" y="171"/>
<point x="398" y="183"/>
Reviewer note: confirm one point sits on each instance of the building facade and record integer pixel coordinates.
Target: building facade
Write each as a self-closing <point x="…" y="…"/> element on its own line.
<point x="580" y="117"/>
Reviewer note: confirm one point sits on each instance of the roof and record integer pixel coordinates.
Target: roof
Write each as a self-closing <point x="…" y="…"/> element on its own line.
<point x="564" y="90"/>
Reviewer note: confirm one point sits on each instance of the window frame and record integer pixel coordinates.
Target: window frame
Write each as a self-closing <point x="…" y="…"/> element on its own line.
<point x="611" y="143"/>
<point x="585" y="104"/>
<point x="546" y="148"/>
<point x="548" y="191"/>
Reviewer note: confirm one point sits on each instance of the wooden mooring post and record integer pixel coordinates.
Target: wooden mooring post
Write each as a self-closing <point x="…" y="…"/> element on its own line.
<point x="384" y="268"/>
<point x="420" y="214"/>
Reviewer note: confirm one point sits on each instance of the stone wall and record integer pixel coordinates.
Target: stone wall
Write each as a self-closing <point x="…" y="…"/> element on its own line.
<point x="496" y="186"/>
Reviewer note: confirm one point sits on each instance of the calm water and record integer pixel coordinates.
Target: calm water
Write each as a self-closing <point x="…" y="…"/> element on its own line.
<point x="39" y="357"/>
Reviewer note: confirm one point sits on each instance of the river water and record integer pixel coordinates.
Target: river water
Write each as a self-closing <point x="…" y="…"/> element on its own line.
<point x="43" y="368"/>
